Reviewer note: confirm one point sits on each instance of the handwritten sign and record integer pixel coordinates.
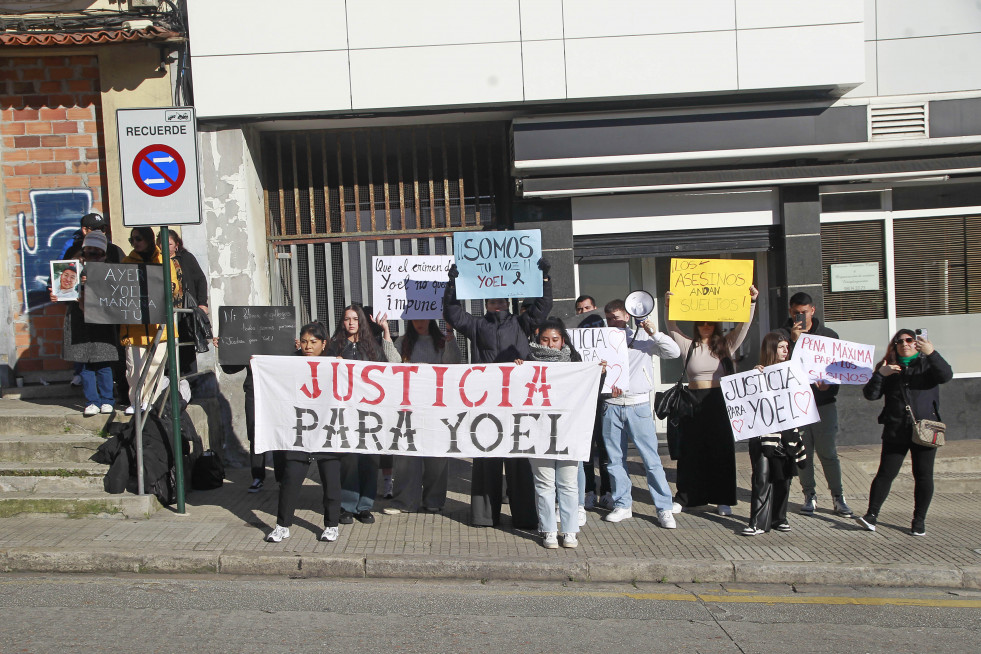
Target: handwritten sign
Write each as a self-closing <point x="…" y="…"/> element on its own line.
<point x="605" y="344"/>
<point x="124" y="294"/>
<point x="710" y="289"/>
<point x="767" y="401"/>
<point x="410" y="288"/>
<point x="498" y="264"/>
<point x="255" y="330"/>
<point x="834" y="361"/>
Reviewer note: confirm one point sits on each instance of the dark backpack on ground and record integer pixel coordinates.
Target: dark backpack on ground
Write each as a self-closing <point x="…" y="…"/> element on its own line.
<point x="208" y="472"/>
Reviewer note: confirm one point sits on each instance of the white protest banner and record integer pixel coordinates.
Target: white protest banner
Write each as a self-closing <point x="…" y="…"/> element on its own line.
<point x="410" y="287"/>
<point x="834" y="361"/>
<point x="768" y="401"/>
<point x="498" y="264"/>
<point x="321" y="404"/>
<point x="605" y="344"/>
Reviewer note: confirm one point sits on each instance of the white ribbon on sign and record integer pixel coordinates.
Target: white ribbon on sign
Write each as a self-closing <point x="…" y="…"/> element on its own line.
<point x="767" y="401"/>
<point x="321" y="404"/>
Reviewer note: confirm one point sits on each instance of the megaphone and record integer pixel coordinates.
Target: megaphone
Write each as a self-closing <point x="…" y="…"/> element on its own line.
<point x="639" y="304"/>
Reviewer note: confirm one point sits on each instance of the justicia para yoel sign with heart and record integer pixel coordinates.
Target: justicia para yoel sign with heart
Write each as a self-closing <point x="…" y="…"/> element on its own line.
<point x="767" y="401"/>
<point x="605" y="344"/>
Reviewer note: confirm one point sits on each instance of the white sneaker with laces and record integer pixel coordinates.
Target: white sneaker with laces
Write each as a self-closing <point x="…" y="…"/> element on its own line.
<point x="666" y="518"/>
<point x="590" y="500"/>
<point x="583" y="519"/>
<point x="570" y="541"/>
<point x="550" y="540"/>
<point x="725" y="509"/>
<point x="278" y="534"/>
<point x="91" y="410"/>
<point x="129" y="410"/>
<point x="618" y="514"/>
<point x="606" y="501"/>
<point x="677" y="508"/>
<point x="330" y="534"/>
<point x="108" y="408"/>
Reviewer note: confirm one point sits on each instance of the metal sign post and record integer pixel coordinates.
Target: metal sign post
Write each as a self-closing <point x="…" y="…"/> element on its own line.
<point x="175" y="406"/>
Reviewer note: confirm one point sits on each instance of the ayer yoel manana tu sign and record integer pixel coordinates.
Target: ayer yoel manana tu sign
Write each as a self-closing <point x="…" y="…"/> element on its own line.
<point x="158" y="165"/>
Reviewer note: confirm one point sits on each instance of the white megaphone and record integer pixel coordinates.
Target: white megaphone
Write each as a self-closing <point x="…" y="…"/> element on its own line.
<point x="639" y="304"/>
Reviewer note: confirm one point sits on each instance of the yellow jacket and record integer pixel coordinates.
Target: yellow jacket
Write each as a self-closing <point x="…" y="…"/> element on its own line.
<point x="142" y="335"/>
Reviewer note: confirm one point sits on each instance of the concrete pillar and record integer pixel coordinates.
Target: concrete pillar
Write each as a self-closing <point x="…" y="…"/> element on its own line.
<point x="555" y="221"/>
<point x="800" y="208"/>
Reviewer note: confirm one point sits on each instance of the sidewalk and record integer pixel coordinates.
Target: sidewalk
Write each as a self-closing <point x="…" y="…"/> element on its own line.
<point x="223" y="533"/>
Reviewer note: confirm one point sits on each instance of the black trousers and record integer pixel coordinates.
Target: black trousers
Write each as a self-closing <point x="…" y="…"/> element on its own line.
<point x="890" y="461"/>
<point x="770" y="490"/>
<point x="707" y="457"/>
<point x="257" y="462"/>
<point x="597" y="448"/>
<point x="295" y="469"/>
<point x="486" y="493"/>
<point x="419" y="481"/>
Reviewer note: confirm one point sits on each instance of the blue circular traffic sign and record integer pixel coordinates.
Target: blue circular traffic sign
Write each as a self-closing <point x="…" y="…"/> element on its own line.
<point x="158" y="170"/>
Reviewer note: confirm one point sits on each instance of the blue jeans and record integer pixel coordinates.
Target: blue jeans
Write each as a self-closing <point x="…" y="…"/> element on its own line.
<point x="359" y="482"/>
<point x="636" y="421"/>
<point x="97" y="383"/>
<point x="556" y="478"/>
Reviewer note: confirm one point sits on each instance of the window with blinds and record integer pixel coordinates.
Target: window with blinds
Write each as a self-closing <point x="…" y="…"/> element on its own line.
<point x="853" y="242"/>
<point x="938" y="265"/>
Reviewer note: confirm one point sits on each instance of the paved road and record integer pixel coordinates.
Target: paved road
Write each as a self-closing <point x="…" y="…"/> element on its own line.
<point x="51" y="613"/>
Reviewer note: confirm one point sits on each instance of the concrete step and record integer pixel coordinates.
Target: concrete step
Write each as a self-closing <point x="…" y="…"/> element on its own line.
<point x="51" y="477"/>
<point x="942" y="464"/>
<point x="76" y="505"/>
<point x="62" y="449"/>
<point x="43" y="392"/>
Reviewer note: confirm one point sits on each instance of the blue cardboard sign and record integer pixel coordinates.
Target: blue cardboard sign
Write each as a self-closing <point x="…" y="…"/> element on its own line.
<point x="498" y="264"/>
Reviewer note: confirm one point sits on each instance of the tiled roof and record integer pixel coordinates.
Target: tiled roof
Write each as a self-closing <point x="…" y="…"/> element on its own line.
<point x="34" y="39"/>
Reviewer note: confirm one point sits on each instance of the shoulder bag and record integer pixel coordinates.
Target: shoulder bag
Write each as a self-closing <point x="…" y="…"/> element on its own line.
<point x="928" y="433"/>
<point x="676" y="402"/>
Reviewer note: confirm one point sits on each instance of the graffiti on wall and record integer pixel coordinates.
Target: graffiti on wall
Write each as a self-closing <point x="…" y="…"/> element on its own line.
<point x="55" y="216"/>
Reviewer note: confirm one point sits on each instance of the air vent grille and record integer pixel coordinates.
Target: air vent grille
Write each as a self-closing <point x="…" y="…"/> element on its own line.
<point x="898" y="121"/>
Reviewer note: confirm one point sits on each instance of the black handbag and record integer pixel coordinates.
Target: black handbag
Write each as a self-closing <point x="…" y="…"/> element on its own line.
<point x="677" y="402"/>
<point x="208" y="472"/>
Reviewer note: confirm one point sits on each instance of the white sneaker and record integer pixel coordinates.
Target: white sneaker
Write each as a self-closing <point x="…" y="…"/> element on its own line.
<point x="666" y="518"/>
<point x="606" y="501"/>
<point x="391" y="510"/>
<point x="618" y="514"/>
<point x="570" y="541"/>
<point x="330" y="534"/>
<point x="677" y="508"/>
<point x="129" y="410"/>
<point x="724" y="509"/>
<point x="278" y="534"/>
<point x="583" y="519"/>
<point x="77" y="380"/>
<point x="91" y="410"/>
<point x="550" y="540"/>
<point x="590" y="500"/>
<point x="108" y="408"/>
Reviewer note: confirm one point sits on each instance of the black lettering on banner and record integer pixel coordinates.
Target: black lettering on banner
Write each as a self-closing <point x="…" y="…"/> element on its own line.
<point x="454" y="449"/>
<point x="404" y="430"/>
<point x="336" y="426"/>
<point x="473" y="432"/>
<point x="553" y="441"/>
<point x="364" y="431"/>
<point x="300" y="427"/>
<point x="516" y="434"/>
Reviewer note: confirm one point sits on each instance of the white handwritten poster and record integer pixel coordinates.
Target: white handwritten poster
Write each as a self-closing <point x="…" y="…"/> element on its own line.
<point x="833" y="361"/>
<point x="767" y="401"/>
<point x="605" y="344"/>
<point x="410" y="287"/>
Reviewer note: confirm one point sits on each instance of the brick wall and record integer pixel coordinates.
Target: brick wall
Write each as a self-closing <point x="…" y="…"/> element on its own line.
<point x="51" y="126"/>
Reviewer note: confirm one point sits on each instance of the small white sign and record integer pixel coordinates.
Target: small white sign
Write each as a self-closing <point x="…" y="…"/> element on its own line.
<point x="767" y="401"/>
<point x="854" y="277"/>
<point x="605" y="344"/>
<point x="410" y="287"/>
<point x="833" y="361"/>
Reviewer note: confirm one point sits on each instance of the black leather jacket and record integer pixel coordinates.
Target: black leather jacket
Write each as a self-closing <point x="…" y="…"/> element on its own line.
<point x="922" y="379"/>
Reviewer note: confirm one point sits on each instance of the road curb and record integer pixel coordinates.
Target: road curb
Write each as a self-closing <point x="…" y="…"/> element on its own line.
<point x="24" y="559"/>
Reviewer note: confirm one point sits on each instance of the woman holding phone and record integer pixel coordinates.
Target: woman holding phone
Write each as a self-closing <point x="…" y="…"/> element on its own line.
<point x="909" y="376"/>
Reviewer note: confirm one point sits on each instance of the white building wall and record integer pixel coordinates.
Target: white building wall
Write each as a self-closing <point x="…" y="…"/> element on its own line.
<point x="320" y="56"/>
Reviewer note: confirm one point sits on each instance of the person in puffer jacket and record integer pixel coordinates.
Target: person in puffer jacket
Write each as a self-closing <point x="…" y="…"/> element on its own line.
<point x="498" y="336"/>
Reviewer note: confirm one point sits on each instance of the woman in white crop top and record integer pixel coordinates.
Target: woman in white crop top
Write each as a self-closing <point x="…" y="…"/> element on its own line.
<point x="707" y="457"/>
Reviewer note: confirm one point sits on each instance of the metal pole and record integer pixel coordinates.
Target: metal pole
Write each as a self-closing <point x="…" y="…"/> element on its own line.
<point x="172" y="367"/>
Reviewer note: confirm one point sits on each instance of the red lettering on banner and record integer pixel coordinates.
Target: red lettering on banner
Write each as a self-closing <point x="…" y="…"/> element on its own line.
<point x="313" y="380"/>
<point x="505" y="387"/>
<point x="440" y="373"/>
<point x="463" y="391"/>
<point x="350" y="381"/>
<point x="406" y="372"/>
<point x="543" y="387"/>
<point x="368" y="380"/>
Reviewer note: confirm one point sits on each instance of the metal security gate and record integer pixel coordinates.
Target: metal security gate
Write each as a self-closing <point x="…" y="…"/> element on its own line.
<point x="334" y="199"/>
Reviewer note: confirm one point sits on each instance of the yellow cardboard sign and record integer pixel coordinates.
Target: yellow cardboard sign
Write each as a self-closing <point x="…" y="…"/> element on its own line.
<point x="710" y="289"/>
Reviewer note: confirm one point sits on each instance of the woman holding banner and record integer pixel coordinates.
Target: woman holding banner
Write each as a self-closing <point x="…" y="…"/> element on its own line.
<point x="313" y="342"/>
<point x="707" y="457"/>
<point x="420" y="481"/>
<point x="354" y="339"/>
<point x="909" y="379"/>
<point x="774" y="457"/>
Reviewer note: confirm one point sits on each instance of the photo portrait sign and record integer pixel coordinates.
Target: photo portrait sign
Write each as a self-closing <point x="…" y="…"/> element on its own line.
<point x="325" y="404"/>
<point x="245" y="331"/>
<point x="498" y="264"/>
<point x="124" y="294"/>
<point x="65" y="279"/>
<point x="833" y="361"/>
<point x="605" y="344"/>
<point x="768" y="401"/>
<point x="710" y="289"/>
<point x="410" y="287"/>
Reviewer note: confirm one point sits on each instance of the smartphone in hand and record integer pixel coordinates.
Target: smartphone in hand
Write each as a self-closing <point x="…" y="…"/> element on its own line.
<point x="801" y="318"/>
<point x="921" y="334"/>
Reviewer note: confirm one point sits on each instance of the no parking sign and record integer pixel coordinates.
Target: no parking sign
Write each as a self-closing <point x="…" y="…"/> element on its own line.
<point x="158" y="165"/>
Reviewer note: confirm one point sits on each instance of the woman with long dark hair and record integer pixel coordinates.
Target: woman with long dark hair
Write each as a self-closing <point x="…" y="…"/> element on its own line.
<point x="353" y="339"/>
<point x="195" y="286"/>
<point x="313" y="342"/>
<point x="774" y="458"/>
<point x="707" y="460"/>
<point x="909" y="379"/>
<point x="420" y="481"/>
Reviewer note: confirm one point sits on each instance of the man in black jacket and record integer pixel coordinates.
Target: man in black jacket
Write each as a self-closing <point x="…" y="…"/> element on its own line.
<point x="498" y="336"/>
<point x="821" y="437"/>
